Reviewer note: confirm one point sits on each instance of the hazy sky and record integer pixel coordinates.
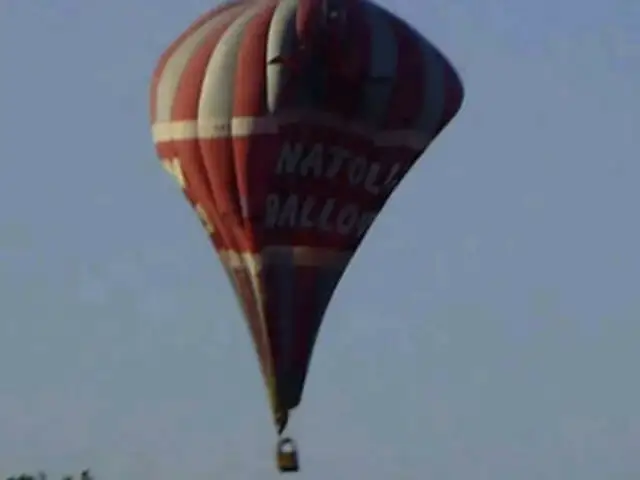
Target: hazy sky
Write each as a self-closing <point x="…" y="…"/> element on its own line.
<point x="488" y="329"/>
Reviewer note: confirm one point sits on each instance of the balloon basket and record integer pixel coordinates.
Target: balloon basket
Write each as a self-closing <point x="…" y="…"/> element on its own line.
<point x="287" y="456"/>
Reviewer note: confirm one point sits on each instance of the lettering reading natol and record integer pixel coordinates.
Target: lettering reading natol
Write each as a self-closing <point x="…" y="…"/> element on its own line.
<point x="327" y="215"/>
<point x="321" y="161"/>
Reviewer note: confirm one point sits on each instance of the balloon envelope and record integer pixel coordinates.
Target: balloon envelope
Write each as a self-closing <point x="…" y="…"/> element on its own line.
<point x="288" y="124"/>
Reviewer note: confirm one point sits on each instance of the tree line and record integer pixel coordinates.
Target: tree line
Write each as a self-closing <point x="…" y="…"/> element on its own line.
<point x="84" y="475"/>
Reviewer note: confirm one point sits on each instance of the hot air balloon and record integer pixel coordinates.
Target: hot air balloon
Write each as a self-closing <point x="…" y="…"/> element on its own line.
<point x="288" y="124"/>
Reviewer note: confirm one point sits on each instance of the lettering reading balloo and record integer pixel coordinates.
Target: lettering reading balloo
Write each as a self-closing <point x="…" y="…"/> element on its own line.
<point x="296" y="212"/>
<point x="328" y="215"/>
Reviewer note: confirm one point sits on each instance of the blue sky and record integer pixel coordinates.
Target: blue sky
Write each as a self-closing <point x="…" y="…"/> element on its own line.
<point x="488" y="328"/>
